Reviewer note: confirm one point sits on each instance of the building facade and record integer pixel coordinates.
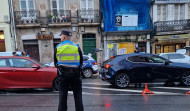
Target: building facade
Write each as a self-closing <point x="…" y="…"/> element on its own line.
<point x="39" y="23"/>
<point x="126" y="25"/>
<point x="172" y="25"/>
<point x="6" y="41"/>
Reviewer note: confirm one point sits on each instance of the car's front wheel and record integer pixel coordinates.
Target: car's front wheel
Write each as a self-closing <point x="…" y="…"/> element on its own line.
<point x="87" y="73"/>
<point x="122" y="80"/>
<point x="185" y="78"/>
<point x="56" y="83"/>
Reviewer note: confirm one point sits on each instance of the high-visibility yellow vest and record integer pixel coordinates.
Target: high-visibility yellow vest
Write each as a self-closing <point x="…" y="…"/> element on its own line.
<point x="67" y="54"/>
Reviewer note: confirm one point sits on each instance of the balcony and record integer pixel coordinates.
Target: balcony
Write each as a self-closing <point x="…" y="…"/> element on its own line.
<point x="88" y="17"/>
<point x="172" y="27"/>
<point x="59" y="18"/>
<point x="27" y="19"/>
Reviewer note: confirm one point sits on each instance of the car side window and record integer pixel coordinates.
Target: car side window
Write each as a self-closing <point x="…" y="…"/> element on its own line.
<point x="138" y="59"/>
<point x="3" y="63"/>
<point x="155" y="59"/>
<point x="22" y="63"/>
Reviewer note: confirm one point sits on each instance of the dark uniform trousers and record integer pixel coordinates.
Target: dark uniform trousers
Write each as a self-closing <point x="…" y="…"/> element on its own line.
<point x="70" y="77"/>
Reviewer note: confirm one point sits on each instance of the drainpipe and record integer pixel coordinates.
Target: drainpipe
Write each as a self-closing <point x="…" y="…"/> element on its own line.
<point x="13" y="32"/>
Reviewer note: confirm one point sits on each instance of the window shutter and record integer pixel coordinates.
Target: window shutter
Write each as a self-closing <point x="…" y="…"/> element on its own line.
<point x="176" y="12"/>
<point x="159" y="12"/>
<point x="182" y="11"/>
<point x="83" y="4"/>
<point x="164" y="10"/>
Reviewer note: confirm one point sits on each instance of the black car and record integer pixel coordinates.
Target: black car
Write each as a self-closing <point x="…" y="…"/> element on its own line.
<point x="143" y="68"/>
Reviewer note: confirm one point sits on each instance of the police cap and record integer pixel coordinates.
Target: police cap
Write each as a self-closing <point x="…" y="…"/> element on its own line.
<point x="66" y="32"/>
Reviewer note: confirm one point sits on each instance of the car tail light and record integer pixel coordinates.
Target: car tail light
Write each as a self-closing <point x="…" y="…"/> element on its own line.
<point x="107" y="66"/>
<point x="95" y="63"/>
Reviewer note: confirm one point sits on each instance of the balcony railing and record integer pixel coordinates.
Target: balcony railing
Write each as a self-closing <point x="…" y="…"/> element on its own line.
<point x="27" y="17"/>
<point x="88" y="16"/>
<point x="171" y="26"/>
<point x="58" y="16"/>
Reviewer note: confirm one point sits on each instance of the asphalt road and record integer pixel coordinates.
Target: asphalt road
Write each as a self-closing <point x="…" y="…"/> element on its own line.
<point x="101" y="96"/>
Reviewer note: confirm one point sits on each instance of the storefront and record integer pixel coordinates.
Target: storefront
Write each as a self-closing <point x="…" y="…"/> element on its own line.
<point x="2" y="42"/>
<point x="170" y="43"/>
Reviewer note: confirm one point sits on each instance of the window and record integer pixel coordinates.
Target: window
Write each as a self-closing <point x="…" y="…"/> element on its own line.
<point x="57" y="5"/>
<point x="179" y="11"/>
<point x="156" y="59"/>
<point x="22" y="63"/>
<point x="27" y="5"/>
<point x="138" y="59"/>
<point x="86" y="4"/>
<point x="3" y="63"/>
<point x="162" y="12"/>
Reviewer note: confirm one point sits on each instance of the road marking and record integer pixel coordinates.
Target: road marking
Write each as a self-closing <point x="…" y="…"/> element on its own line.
<point x="127" y="90"/>
<point x="97" y="83"/>
<point x="110" y="84"/>
<point x="172" y="88"/>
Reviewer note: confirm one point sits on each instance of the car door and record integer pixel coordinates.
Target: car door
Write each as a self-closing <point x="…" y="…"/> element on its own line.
<point x="5" y="71"/>
<point x="161" y="71"/>
<point x="140" y="69"/>
<point x="23" y="75"/>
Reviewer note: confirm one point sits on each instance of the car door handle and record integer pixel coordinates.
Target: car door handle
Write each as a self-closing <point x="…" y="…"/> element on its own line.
<point x="13" y="70"/>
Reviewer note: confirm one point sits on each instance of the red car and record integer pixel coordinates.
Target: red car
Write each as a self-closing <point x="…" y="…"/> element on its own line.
<point x="24" y="72"/>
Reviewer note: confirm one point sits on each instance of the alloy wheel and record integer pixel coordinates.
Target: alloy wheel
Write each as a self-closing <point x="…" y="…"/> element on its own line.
<point x="122" y="80"/>
<point x="87" y="73"/>
<point x="185" y="78"/>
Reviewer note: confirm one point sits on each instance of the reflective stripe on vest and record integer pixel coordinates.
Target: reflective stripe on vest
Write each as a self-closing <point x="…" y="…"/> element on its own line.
<point x="68" y="55"/>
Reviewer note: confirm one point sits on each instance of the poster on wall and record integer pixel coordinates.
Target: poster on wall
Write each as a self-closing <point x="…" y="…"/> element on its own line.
<point x="126" y="47"/>
<point x="122" y="51"/>
<point x="126" y="20"/>
<point x="112" y="49"/>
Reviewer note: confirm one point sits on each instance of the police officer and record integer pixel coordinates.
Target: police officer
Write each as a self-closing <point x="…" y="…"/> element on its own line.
<point x="68" y="59"/>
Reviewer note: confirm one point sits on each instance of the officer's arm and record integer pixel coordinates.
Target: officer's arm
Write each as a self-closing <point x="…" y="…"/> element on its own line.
<point x="81" y="57"/>
<point x="55" y="59"/>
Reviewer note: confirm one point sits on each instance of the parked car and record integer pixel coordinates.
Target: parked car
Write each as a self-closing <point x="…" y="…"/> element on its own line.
<point x="143" y="68"/>
<point x="89" y="66"/>
<point x="24" y="72"/>
<point x="9" y="53"/>
<point x="176" y="57"/>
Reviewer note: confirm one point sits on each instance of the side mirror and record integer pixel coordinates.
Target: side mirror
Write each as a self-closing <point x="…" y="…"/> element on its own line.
<point x="166" y="62"/>
<point x="36" y="66"/>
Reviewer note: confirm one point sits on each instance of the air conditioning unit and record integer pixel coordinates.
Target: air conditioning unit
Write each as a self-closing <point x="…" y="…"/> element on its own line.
<point x="6" y="18"/>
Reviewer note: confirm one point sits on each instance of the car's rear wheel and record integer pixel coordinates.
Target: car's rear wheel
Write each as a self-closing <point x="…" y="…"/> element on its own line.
<point x="185" y="78"/>
<point x="87" y="73"/>
<point x="56" y="83"/>
<point x="122" y="80"/>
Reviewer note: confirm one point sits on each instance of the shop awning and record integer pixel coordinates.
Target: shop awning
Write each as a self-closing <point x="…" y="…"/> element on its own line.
<point x="125" y="33"/>
<point x="173" y="38"/>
